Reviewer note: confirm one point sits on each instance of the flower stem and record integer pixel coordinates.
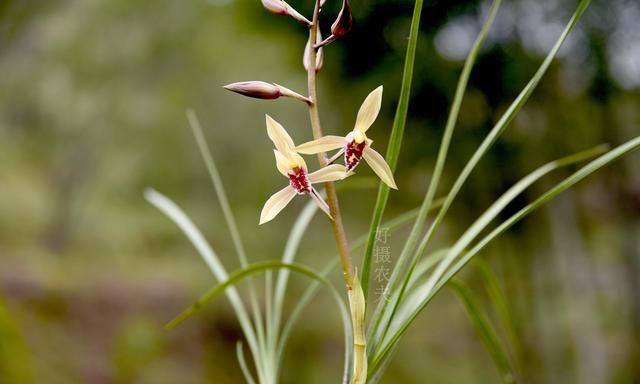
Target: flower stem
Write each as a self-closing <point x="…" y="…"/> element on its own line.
<point x="354" y="289"/>
<point x="332" y="197"/>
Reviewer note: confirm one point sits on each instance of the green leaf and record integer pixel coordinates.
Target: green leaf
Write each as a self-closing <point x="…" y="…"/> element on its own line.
<point x="291" y="249"/>
<point x="227" y="213"/>
<point x="311" y="290"/>
<point x="487" y="332"/>
<point x="395" y="142"/>
<point x="419" y="298"/>
<point x="499" y="301"/>
<point x="420" y="271"/>
<point x="567" y="183"/>
<point x="243" y="364"/>
<point x="306" y="297"/>
<point x="501" y="125"/>
<point x="471" y="164"/>
<point x="582" y="173"/>
<point x="427" y="202"/>
<point x="173" y="212"/>
<point x="253" y="269"/>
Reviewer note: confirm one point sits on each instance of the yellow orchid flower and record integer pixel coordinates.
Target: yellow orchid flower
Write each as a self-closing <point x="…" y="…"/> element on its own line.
<point x="356" y="145"/>
<point x="292" y="165"/>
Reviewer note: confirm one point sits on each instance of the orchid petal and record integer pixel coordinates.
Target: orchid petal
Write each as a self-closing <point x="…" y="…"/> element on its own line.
<point x="329" y="173"/>
<point x="321" y="203"/>
<point x="323" y="144"/>
<point x="279" y="136"/>
<point x="298" y="160"/>
<point x="282" y="162"/>
<point x="379" y="166"/>
<point x="369" y="110"/>
<point x="276" y="203"/>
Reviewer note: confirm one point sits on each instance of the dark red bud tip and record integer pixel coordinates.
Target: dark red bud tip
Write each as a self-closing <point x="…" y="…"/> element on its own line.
<point x="344" y="22"/>
<point x="256" y="89"/>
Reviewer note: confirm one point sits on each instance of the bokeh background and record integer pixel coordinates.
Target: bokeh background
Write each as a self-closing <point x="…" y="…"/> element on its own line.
<point x="93" y="96"/>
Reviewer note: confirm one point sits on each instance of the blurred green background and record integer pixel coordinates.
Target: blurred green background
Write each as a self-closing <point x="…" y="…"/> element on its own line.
<point x="93" y="96"/>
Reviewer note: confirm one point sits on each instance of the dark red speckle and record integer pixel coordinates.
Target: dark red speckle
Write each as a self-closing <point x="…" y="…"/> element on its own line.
<point x="299" y="180"/>
<point x="353" y="154"/>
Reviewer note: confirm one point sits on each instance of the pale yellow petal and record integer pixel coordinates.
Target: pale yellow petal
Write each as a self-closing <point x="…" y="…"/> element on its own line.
<point x="379" y="166"/>
<point x="329" y="173"/>
<point x="282" y="162"/>
<point x="298" y="160"/>
<point x="323" y="144"/>
<point x="369" y="110"/>
<point x="279" y="136"/>
<point x="276" y="203"/>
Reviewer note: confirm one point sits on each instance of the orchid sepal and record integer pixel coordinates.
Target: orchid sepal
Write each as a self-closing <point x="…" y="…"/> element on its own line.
<point x="356" y="145"/>
<point x="291" y="165"/>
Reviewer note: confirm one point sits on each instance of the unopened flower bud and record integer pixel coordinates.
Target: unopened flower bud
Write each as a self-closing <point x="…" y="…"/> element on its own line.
<point x="341" y="26"/>
<point x="306" y="59"/>
<point x="343" y="23"/>
<point x="257" y="89"/>
<point x="281" y="7"/>
<point x="264" y="90"/>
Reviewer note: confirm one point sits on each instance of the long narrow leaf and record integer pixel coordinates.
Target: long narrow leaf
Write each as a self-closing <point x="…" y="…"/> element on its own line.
<point x="576" y="177"/>
<point x="487" y="332"/>
<point x="419" y="223"/>
<point x="243" y="364"/>
<point x="567" y="183"/>
<point x="395" y="142"/>
<point x="501" y="125"/>
<point x="227" y="213"/>
<point x="290" y="251"/>
<point x="253" y="269"/>
<point x="311" y="290"/>
<point x="173" y="212"/>
<point x="499" y="302"/>
<point x="418" y="299"/>
<point x="506" y="118"/>
<point x="386" y="316"/>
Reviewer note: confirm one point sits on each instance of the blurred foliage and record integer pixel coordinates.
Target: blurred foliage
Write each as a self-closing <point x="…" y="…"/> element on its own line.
<point x="92" y="101"/>
<point x="14" y="356"/>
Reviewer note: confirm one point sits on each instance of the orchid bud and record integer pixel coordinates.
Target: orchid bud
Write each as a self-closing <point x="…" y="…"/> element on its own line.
<point x="280" y="7"/>
<point x="343" y="23"/>
<point x="256" y="89"/>
<point x="264" y="90"/>
<point x="341" y="26"/>
<point x="306" y="59"/>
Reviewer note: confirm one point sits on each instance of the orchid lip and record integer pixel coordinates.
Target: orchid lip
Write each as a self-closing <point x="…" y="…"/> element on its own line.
<point x="353" y="153"/>
<point x="299" y="180"/>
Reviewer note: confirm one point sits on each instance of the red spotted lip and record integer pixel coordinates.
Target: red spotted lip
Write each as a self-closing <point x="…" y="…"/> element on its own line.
<point x="353" y="154"/>
<point x="299" y="180"/>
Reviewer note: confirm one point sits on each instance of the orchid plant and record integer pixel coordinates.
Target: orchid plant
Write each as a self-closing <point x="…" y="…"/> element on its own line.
<point x="419" y="273"/>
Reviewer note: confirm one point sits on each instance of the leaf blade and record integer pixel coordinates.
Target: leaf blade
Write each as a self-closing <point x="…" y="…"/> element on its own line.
<point x="487" y="332"/>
